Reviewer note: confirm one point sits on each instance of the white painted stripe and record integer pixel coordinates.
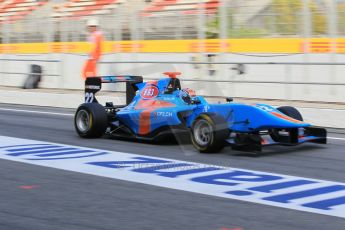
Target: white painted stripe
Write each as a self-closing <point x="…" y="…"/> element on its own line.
<point x="37" y="112"/>
<point x="70" y="114"/>
<point x="336" y="138"/>
<point x="297" y="193"/>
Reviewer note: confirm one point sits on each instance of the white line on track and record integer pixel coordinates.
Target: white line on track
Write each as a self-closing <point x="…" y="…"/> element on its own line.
<point x="38" y="112"/>
<point x="336" y="138"/>
<point x="70" y="115"/>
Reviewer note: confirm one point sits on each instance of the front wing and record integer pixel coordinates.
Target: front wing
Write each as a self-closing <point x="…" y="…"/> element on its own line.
<point x="292" y="137"/>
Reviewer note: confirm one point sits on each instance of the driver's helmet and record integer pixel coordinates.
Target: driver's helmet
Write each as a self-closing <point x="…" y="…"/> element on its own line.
<point x="187" y="95"/>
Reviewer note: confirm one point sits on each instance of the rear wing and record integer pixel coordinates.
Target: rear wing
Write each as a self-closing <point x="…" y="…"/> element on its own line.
<point x="94" y="84"/>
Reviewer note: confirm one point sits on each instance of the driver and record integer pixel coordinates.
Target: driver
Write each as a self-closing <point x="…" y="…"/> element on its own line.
<point x="188" y="95"/>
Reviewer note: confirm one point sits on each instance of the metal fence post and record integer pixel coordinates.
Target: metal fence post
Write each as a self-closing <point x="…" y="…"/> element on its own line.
<point x="178" y="32"/>
<point x="118" y="32"/>
<point x="307" y="32"/>
<point x="201" y="22"/>
<point x="7" y="33"/>
<point x="134" y="39"/>
<point x="201" y="35"/>
<point x="333" y="24"/>
<point x="223" y="35"/>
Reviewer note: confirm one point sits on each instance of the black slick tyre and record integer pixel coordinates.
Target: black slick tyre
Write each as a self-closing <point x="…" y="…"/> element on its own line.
<point x="291" y="112"/>
<point x="288" y="111"/>
<point x="90" y="120"/>
<point x="209" y="132"/>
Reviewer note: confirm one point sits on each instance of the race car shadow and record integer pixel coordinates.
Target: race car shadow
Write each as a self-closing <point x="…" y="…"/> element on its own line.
<point x="279" y="150"/>
<point x="181" y="144"/>
<point x="183" y="140"/>
<point x="169" y="140"/>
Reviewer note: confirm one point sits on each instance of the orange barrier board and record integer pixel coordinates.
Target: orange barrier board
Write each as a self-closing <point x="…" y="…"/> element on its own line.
<point x="271" y="45"/>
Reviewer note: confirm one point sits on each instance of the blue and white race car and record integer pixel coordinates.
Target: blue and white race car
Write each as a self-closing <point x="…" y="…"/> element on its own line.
<point x="158" y="108"/>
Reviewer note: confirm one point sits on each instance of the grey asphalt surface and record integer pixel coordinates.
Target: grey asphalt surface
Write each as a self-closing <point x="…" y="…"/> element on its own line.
<point x="69" y="200"/>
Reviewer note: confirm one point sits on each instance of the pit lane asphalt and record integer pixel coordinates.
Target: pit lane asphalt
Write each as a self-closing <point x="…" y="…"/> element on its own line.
<point x="69" y="200"/>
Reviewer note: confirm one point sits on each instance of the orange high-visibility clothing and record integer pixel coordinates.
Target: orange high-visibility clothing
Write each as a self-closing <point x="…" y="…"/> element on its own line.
<point x="96" y="39"/>
<point x="90" y="67"/>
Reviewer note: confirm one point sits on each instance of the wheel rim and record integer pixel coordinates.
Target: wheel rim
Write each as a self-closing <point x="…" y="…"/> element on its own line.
<point x="203" y="132"/>
<point x="83" y="121"/>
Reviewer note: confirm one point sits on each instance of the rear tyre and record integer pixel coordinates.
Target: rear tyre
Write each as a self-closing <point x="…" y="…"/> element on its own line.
<point x="209" y="132"/>
<point x="90" y="120"/>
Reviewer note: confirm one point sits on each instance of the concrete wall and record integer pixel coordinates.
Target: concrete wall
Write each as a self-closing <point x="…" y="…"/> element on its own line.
<point x="70" y="66"/>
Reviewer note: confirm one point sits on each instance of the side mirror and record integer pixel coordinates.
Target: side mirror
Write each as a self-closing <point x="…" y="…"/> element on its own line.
<point x="196" y="101"/>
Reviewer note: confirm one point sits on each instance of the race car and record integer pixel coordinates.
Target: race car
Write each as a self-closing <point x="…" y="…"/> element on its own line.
<point x="158" y="108"/>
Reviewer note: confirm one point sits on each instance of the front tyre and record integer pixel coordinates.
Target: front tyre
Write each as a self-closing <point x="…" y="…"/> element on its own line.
<point x="288" y="111"/>
<point x="209" y="132"/>
<point x="90" y="120"/>
<point x="291" y="112"/>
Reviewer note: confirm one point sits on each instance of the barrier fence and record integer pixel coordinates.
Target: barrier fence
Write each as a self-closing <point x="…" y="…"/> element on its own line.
<point x="40" y="61"/>
<point x="245" y="78"/>
<point x="232" y="19"/>
<point x="305" y="81"/>
<point x="237" y="66"/>
<point x="240" y="66"/>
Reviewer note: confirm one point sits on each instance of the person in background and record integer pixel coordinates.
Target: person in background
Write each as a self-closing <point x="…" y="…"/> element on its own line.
<point x="96" y="40"/>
